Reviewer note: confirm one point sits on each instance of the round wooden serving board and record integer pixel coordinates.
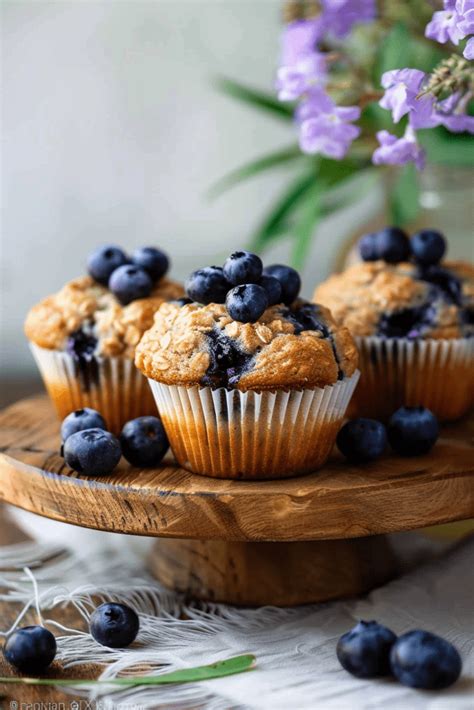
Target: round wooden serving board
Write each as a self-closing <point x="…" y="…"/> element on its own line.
<point x="337" y="503"/>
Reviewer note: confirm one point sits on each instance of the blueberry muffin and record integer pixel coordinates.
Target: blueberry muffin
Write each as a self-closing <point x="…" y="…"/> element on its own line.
<point x="255" y="387"/>
<point x="84" y="337"/>
<point x="413" y="322"/>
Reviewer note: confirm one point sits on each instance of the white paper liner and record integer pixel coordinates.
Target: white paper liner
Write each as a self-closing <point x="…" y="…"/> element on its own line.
<point x="438" y="374"/>
<point x="113" y="386"/>
<point x="250" y="435"/>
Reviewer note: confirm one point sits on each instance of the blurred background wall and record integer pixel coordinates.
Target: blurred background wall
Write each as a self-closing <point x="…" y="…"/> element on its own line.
<point x="112" y="132"/>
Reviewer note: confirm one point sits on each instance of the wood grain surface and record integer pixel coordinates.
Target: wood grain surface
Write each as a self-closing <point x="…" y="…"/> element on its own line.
<point x="339" y="501"/>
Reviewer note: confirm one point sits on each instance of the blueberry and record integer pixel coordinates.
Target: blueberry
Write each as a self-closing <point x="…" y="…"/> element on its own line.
<point x="273" y="288"/>
<point x="421" y="659"/>
<point x="94" y="452"/>
<point x="114" y="625"/>
<point x="443" y="279"/>
<point x="412" y="431"/>
<point x="81" y="419"/>
<point x="368" y="248"/>
<point x="144" y="441"/>
<point x="154" y="261"/>
<point x="428" y="247"/>
<point x="289" y="280"/>
<point x="103" y="261"/>
<point x="243" y="267"/>
<point x="130" y="282"/>
<point x="30" y="649"/>
<point x="392" y="245"/>
<point x="246" y="303"/>
<point x="362" y="440"/>
<point x="365" y="650"/>
<point x="207" y="285"/>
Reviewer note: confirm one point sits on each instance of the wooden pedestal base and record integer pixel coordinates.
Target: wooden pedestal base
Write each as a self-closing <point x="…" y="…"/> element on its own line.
<point x="276" y="573"/>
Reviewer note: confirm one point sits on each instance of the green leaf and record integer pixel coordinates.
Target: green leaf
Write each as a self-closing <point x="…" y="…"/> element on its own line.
<point x="276" y="221"/>
<point x="305" y="226"/>
<point x="447" y="148"/>
<point x="404" y="204"/>
<point x="255" y="167"/>
<point x="254" y="97"/>
<point x="231" y="666"/>
<point x="394" y="51"/>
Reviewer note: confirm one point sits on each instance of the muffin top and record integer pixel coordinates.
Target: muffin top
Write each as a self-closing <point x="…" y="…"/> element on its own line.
<point x="297" y="346"/>
<point x="402" y="300"/>
<point x="402" y="289"/>
<point x="107" y="312"/>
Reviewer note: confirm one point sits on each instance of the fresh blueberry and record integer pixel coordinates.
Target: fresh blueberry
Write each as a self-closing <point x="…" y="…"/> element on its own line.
<point x="81" y="419"/>
<point x="412" y="431"/>
<point x="273" y="288"/>
<point x="421" y="659"/>
<point x="114" y="625"/>
<point x="93" y="452"/>
<point x="207" y="285"/>
<point x="243" y="267"/>
<point x="368" y="247"/>
<point x="144" y="441"/>
<point x="392" y="245"/>
<point x="30" y="649"/>
<point x="362" y="440"/>
<point x="365" y="650"/>
<point x="428" y="247"/>
<point x="154" y="261"/>
<point x="289" y="279"/>
<point x="130" y="282"/>
<point x="103" y="262"/>
<point x="246" y="303"/>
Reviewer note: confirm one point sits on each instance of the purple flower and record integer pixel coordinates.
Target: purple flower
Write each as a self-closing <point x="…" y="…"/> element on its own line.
<point x="469" y="49"/>
<point x="339" y="16"/>
<point x="465" y="12"/>
<point x="399" y="151"/>
<point x="299" y="39"/>
<point x="453" y="23"/>
<point x="401" y="89"/>
<point x="328" y="129"/>
<point x="295" y="80"/>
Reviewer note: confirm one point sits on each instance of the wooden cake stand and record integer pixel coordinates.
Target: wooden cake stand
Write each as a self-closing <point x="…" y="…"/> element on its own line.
<point x="284" y="542"/>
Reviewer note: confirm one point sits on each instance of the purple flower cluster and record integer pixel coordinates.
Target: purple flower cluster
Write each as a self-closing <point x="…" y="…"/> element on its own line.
<point x="324" y="127"/>
<point x="453" y="23"/>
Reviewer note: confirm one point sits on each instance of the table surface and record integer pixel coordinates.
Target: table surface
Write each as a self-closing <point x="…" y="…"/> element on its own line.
<point x="339" y="501"/>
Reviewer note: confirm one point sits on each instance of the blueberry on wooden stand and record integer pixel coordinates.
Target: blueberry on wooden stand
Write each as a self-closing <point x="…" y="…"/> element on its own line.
<point x="243" y="267"/>
<point x="365" y="650"/>
<point x="362" y="440"/>
<point x="81" y="419"/>
<point x="421" y="659"/>
<point x="247" y="303"/>
<point x="289" y="279"/>
<point x="144" y="441"/>
<point x="130" y="282"/>
<point x="93" y="452"/>
<point x="207" y="285"/>
<point x="154" y="261"/>
<point x="30" y="649"/>
<point x="413" y="431"/>
<point x="103" y="261"/>
<point x="114" y="625"/>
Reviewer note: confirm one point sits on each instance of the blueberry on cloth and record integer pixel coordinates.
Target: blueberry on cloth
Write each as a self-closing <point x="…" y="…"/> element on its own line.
<point x="247" y="303"/>
<point x="114" y="625"/>
<point x="289" y="280"/>
<point x="30" y="649"/>
<point x="428" y="247"/>
<point x="103" y="261"/>
<point x="412" y="431"/>
<point x="365" y="650"/>
<point x="93" y="452"/>
<point x="144" y="441"/>
<point x="273" y="288"/>
<point x="130" y="282"/>
<point x="393" y="245"/>
<point x="81" y="419"/>
<point x="368" y="248"/>
<point x="362" y="440"/>
<point x="243" y="267"/>
<point x="421" y="659"/>
<point x="154" y="261"/>
<point x="207" y="285"/>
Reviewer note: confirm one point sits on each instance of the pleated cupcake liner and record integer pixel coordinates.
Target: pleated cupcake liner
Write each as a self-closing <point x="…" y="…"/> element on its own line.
<point x="252" y="435"/>
<point x="395" y="372"/>
<point x="112" y="385"/>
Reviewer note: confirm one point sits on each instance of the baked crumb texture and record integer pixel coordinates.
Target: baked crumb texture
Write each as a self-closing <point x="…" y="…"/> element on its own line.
<point x="288" y="347"/>
<point x="399" y="300"/>
<point x="83" y="305"/>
